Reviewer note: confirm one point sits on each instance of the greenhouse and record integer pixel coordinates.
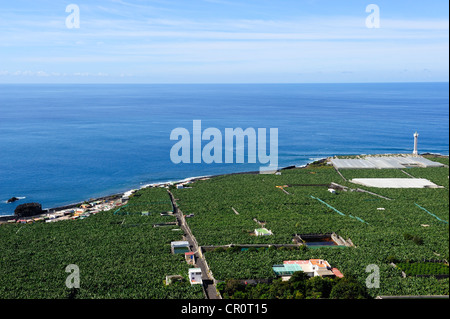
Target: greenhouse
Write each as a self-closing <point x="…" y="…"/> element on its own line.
<point x="395" y="182"/>
<point x="286" y="269"/>
<point x="384" y="162"/>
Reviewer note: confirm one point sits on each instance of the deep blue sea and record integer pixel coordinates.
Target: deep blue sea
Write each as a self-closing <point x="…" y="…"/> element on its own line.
<point x="61" y="144"/>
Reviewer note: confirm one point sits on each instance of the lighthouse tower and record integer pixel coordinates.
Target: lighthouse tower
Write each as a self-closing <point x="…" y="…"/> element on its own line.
<point x="416" y="136"/>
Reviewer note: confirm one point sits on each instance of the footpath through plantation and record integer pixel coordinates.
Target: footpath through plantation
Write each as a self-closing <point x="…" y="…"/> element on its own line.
<point x="126" y="252"/>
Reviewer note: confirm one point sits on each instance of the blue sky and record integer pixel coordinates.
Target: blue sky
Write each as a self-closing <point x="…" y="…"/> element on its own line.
<point x="223" y="41"/>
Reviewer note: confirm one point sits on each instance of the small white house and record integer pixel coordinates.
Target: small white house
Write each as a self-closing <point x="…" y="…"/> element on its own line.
<point x="332" y="190"/>
<point x="180" y="186"/>
<point x="195" y="276"/>
<point x="311" y="267"/>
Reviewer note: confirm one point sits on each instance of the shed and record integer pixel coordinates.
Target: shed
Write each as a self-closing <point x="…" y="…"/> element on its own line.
<point x="190" y="257"/>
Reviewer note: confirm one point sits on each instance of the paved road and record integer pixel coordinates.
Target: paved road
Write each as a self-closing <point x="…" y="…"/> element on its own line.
<point x="208" y="281"/>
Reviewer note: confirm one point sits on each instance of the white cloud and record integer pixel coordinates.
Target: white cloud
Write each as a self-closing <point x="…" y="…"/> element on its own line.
<point x="155" y="45"/>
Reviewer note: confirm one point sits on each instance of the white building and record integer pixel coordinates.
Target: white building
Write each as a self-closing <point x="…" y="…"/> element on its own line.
<point x="311" y="267"/>
<point x="195" y="276"/>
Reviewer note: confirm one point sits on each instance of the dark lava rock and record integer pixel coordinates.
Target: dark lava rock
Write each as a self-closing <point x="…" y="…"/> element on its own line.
<point x="12" y="200"/>
<point x="29" y="209"/>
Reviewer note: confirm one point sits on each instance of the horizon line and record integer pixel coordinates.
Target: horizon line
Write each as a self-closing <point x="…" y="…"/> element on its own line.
<point x="216" y="83"/>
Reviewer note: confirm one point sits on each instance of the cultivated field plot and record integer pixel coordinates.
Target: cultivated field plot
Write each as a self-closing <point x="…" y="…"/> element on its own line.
<point x="119" y="256"/>
<point x="253" y="197"/>
<point x="374" y="173"/>
<point x="377" y="226"/>
<point x="153" y="201"/>
<point x="424" y="269"/>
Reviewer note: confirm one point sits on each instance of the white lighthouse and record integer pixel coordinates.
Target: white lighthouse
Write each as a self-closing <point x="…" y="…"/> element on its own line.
<point x="416" y="137"/>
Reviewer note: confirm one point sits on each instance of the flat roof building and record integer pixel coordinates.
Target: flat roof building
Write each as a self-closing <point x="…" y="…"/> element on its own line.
<point x="195" y="276"/>
<point x="312" y="267"/>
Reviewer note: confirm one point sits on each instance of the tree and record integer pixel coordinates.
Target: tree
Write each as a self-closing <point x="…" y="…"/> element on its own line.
<point x="348" y="289"/>
<point x="232" y="286"/>
<point x="298" y="282"/>
<point x="319" y="287"/>
<point x="298" y="276"/>
<point x="239" y="295"/>
<point x="391" y="259"/>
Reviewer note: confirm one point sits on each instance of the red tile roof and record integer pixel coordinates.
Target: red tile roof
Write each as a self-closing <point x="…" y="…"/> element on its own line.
<point x="337" y="273"/>
<point x="319" y="262"/>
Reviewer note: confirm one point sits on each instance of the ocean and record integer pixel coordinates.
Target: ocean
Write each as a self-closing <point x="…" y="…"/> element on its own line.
<point x="62" y="144"/>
